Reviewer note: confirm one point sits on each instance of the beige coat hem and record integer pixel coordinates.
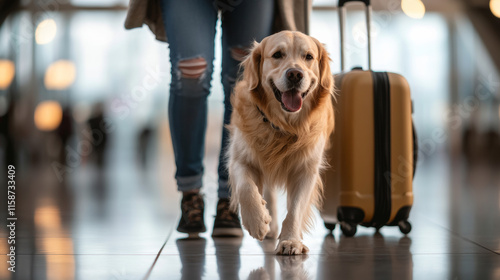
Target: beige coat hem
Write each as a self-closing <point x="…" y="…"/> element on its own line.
<point x="289" y="15"/>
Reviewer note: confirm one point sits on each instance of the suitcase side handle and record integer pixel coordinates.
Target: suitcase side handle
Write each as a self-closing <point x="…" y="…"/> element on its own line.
<point x="342" y="15"/>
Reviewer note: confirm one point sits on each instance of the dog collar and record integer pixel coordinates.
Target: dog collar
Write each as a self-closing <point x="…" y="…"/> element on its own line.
<point x="266" y="120"/>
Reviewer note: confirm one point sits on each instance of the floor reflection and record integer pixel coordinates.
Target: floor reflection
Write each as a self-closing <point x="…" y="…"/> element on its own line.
<point x="192" y="255"/>
<point x="227" y="253"/>
<point x="363" y="257"/>
<point x="291" y="267"/>
<point x="383" y="258"/>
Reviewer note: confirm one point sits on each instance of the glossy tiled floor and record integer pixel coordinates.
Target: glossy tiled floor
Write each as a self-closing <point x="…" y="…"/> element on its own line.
<point x="119" y="222"/>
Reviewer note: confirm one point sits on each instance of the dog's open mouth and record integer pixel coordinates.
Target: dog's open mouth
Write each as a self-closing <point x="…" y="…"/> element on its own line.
<point x="291" y="100"/>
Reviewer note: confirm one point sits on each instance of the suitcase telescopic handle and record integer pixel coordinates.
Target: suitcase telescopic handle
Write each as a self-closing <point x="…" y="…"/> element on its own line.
<point x="342" y="15"/>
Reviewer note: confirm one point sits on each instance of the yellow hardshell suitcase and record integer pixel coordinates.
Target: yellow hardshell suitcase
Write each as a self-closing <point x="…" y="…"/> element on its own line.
<point x="373" y="154"/>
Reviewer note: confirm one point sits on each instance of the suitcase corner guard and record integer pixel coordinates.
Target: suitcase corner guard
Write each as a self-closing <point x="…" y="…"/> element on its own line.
<point x="402" y="215"/>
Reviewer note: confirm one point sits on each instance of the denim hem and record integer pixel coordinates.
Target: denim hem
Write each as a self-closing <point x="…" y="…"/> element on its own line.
<point x="189" y="183"/>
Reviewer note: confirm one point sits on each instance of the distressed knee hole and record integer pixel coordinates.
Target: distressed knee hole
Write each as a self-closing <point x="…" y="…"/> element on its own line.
<point x="192" y="68"/>
<point x="239" y="54"/>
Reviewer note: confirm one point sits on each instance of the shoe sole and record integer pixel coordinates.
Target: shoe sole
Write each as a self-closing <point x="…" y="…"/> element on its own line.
<point x="228" y="232"/>
<point x="182" y="230"/>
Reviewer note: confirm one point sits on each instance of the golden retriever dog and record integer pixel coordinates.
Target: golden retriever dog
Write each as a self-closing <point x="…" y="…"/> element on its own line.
<point x="280" y="126"/>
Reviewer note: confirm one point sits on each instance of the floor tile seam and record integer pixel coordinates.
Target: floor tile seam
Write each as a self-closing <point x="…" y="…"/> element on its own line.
<point x="148" y="273"/>
<point x="462" y="237"/>
<point x="171" y="254"/>
<point x="124" y="254"/>
<point x="337" y="255"/>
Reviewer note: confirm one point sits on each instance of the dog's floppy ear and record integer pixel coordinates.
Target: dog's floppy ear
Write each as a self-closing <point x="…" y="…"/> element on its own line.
<point x="251" y="66"/>
<point x="325" y="74"/>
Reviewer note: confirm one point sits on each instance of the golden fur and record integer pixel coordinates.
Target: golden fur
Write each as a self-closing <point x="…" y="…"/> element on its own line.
<point x="287" y="151"/>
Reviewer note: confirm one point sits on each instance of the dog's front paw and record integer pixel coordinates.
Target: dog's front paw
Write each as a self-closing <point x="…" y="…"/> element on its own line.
<point x="256" y="220"/>
<point x="291" y="247"/>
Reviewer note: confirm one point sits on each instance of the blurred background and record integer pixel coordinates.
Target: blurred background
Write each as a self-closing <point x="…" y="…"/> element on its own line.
<point x="87" y="130"/>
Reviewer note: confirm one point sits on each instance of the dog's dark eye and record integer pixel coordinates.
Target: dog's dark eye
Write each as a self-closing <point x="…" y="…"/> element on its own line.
<point x="277" y="55"/>
<point x="309" y="57"/>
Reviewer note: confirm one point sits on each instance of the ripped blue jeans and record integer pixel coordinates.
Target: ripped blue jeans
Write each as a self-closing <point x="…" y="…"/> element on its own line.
<point x="190" y="27"/>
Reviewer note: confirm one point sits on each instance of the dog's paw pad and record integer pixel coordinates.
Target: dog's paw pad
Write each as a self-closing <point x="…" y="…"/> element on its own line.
<point x="291" y="247"/>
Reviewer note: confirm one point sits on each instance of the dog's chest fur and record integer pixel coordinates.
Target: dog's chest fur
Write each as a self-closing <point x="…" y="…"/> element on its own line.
<point x="275" y="152"/>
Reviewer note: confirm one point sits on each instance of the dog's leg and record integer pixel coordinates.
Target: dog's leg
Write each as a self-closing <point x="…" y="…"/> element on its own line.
<point x="254" y="215"/>
<point x="299" y="203"/>
<point x="270" y="197"/>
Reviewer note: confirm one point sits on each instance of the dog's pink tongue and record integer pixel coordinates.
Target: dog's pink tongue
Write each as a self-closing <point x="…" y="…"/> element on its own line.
<point x="292" y="100"/>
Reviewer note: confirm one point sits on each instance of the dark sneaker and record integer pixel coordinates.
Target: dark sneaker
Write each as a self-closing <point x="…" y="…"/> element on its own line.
<point x="192" y="207"/>
<point x="227" y="223"/>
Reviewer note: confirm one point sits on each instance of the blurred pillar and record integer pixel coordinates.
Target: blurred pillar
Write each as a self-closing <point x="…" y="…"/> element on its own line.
<point x="454" y="99"/>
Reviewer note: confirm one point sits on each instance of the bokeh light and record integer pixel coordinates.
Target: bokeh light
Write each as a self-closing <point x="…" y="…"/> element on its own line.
<point x="7" y="71"/>
<point x="495" y="7"/>
<point x="48" y="115"/>
<point x="60" y="75"/>
<point x="45" y="31"/>
<point x="413" y="8"/>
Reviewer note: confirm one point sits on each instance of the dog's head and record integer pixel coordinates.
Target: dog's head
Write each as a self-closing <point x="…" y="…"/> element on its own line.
<point x="288" y="68"/>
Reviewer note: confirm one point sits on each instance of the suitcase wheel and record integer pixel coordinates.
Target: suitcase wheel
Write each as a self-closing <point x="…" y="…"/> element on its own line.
<point x="404" y="227"/>
<point x="348" y="229"/>
<point x="330" y="226"/>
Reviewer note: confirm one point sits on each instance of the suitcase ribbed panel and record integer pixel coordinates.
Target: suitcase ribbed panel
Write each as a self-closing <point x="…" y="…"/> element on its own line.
<point x="382" y="125"/>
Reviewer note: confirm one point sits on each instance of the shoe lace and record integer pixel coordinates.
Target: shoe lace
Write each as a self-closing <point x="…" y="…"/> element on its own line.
<point x="223" y="211"/>
<point x="193" y="208"/>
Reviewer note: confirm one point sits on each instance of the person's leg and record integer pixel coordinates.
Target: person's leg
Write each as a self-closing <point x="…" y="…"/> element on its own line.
<point x="242" y="23"/>
<point x="190" y="28"/>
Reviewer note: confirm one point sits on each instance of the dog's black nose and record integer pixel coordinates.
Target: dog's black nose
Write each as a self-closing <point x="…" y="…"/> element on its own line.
<point x="294" y="75"/>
